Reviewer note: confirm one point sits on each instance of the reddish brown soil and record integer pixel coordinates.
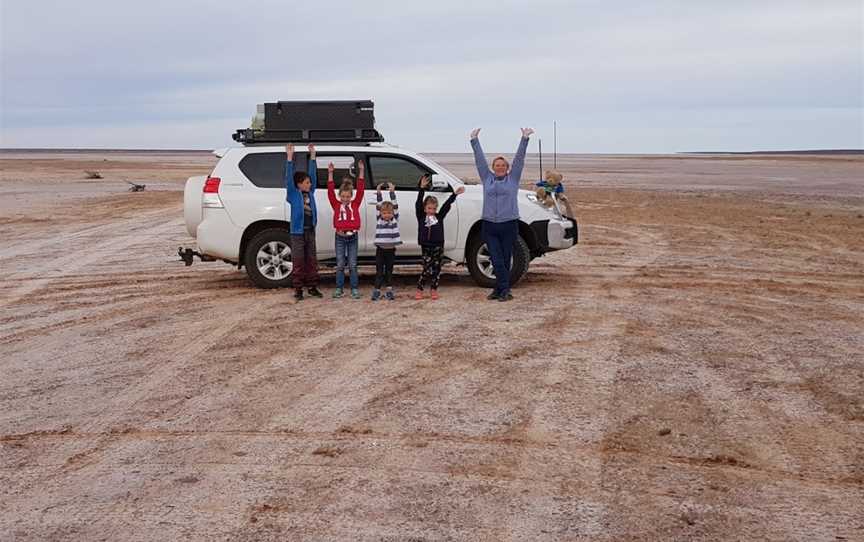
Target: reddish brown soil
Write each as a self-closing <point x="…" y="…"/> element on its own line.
<point x="692" y="370"/>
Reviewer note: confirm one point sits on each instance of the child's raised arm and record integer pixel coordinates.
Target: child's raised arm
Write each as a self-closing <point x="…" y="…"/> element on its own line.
<point x="479" y="158"/>
<point x="313" y="168"/>
<point x="418" y="205"/>
<point x="361" y="181"/>
<point x="447" y="204"/>
<point x="331" y="187"/>
<point x="395" y="203"/>
<point x="519" y="159"/>
<point x="289" y="170"/>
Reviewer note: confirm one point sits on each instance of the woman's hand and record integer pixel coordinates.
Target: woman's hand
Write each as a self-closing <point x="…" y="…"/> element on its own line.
<point x="460" y="190"/>
<point x="424" y="182"/>
<point x="474" y="133"/>
<point x="526" y="132"/>
<point x="289" y="151"/>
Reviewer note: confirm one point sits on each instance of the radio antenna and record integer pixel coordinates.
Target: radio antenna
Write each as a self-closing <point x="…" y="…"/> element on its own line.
<point x="540" y="149"/>
<point x="554" y="144"/>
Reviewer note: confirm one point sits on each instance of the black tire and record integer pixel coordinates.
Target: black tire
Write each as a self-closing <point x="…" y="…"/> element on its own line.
<point x="258" y="243"/>
<point x="518" y="268"/>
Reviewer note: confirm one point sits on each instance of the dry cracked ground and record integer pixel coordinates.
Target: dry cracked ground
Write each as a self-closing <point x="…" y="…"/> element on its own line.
<point x="691" y="371"/>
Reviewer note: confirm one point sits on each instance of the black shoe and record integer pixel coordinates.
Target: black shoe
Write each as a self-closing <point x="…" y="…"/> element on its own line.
<point x="315" y="292"/>
<point x="506" y="296"/>
<point x="298" y="294"/>
<point x="493" y="296"/>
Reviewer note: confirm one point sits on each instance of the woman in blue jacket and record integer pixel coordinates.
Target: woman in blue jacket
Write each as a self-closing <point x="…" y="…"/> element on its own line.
<point x="500" y="209"/>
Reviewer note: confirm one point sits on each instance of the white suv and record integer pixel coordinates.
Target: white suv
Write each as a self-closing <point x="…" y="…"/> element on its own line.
<point x="239" y="214"/>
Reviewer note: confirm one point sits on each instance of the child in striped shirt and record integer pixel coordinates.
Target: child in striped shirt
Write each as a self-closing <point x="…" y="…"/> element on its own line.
<point x="386" y="240"/>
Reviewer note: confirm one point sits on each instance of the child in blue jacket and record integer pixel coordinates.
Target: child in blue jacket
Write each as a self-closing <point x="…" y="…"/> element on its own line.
<point x="300" y="195"/>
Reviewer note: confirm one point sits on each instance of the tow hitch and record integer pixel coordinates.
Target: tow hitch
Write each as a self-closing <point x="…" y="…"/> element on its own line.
<point x="187" y="255"/>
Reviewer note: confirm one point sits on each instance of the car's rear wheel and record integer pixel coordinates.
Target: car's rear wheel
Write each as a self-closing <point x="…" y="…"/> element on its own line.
<point x="480" y="262"/>
<point x="268" y="259"/>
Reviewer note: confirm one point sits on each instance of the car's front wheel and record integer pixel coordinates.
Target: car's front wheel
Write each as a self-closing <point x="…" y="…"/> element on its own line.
<point x="480" y="262"/>
<point x="268" y="259"/>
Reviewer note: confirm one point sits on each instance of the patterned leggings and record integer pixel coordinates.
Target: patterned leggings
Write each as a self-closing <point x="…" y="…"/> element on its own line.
<point x="432" y="256"/>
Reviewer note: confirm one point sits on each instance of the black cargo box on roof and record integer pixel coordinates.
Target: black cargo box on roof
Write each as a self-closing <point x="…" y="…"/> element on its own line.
<point x="349" y="121"/>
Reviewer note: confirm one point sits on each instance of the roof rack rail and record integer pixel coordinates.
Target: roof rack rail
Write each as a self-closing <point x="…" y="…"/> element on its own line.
<point x="249" y="136"/>
<point x="347" y="122"/>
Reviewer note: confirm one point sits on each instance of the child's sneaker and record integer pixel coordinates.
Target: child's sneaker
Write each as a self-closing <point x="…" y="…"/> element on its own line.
<point x="337" y="293"/>
<point x="376" y="294"/>
<point x="355" y="293"/>
<point x="315" y="292"/>
<point x="298" y="294"/>
<point x="390" y="295"/>
<point x="434" y="294"/>
<point x="419" y="295"/>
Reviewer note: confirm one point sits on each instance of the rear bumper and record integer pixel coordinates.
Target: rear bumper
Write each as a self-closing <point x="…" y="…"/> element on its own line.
<point x="217" y="236"/>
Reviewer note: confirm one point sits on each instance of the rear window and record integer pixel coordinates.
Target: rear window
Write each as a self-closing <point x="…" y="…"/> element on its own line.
<point x="267" y="169"/>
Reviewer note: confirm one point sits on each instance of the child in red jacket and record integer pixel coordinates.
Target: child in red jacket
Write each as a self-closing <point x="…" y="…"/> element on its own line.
<point x="346" y="222"/>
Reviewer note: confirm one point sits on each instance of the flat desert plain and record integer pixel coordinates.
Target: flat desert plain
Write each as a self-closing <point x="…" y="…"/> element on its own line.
<point x="692" y="370"/>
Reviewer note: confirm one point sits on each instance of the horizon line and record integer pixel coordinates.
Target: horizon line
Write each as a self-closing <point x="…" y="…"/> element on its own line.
<point x="210" y="150"/>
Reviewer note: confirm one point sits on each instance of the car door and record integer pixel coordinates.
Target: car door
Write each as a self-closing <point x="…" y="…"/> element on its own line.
<point x="405" y="174"/>
<point x="345" y="166"/>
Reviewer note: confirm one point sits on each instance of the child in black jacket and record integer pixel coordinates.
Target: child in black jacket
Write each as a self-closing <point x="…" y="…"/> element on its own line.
<point x="430" y="235"/>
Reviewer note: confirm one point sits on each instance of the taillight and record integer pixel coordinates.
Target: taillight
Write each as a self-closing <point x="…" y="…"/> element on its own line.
<point x="210" y="197"/>
<point x="211" y="185"/>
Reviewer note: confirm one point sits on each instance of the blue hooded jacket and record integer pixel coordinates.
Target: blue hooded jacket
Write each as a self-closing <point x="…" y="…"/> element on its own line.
<point x="500" y="194"/>
<point x="295" y="197"/>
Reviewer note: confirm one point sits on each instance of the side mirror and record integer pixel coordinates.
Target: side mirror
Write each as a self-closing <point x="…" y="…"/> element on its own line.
<point x="438" y="183"/>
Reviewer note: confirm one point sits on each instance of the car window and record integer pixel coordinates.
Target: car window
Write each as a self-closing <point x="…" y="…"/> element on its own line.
<point x="344" y="164"/>
<point x="267" y="169"/>
<point x="403" y="173"/>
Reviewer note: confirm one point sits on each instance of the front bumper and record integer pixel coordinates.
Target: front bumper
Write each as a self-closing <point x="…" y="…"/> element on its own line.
<point x="554" y="234"/>
<point x="562" y="234"/>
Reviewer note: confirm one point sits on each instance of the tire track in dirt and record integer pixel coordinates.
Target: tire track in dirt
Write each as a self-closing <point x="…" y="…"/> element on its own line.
<point x="590" y="508"/>
<point x="157" y="374"/>
<point x="81" y="259"/>
<point x="64" y="239"/>
<point x="204" y="335"/>
<point x="718" y="389"/>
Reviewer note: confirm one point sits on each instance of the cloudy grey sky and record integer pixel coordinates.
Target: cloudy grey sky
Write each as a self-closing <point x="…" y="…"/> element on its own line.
<point x="618" y="76"/>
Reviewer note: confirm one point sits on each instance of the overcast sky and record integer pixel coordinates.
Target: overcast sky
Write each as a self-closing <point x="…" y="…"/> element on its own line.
<point x="618" y="76"/>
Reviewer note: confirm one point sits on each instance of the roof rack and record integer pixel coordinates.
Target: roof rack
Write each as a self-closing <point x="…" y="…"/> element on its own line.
<point x="347" y="122"/>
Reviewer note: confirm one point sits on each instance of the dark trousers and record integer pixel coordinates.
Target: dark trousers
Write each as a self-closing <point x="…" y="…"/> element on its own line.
<point x="432" y="256"/>
<point x="384" y="259"/>
<point x="500" y="238"/>
<point x="305" y="259"/>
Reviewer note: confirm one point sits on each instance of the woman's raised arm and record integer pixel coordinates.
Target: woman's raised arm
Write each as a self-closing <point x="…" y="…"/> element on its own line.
<point x="519" y="159"/>
<point x="479" y="157"/>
